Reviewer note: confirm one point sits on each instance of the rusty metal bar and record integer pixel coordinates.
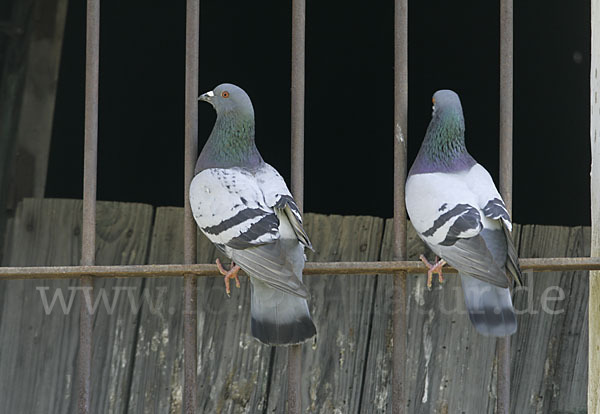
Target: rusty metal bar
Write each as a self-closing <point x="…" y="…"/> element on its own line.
<point x="88" y="234"/>
<point x="553" y="264"/>
<point x="297" y="104"/>
<point x="593" y="378"/>
<point x="190" y="297"/>
<point x="506" y="101"/>
<point x="294" y="363"/>
<point x="506" y="174"/>
<point x="399" y="355"/>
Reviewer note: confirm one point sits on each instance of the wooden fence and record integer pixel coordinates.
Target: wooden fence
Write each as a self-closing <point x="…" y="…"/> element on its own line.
<point x="137" y="356"/>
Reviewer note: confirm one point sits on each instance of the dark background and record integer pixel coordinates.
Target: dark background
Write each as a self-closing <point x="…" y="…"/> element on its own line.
<point x="349" y="97"/>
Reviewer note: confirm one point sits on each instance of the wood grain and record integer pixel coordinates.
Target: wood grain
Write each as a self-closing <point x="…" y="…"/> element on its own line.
<point x="341" y="306"/>
<point x="138" y="354"/>
<point x="39" y="349"/>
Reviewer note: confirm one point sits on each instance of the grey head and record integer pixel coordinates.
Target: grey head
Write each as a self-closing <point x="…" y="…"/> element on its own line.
<point x="443" y="149"/>
<point x="231" y="142"/>
<point x="446" y="103"/>
<point x="229" y="98"/>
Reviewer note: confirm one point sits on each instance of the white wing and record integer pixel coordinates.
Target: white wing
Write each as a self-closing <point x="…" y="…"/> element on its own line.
<point x="252" y="218"/>
<point x="449" y="211"/>
<point x="442" y="208"/>
<point x="278" y="196"/>
<point x="230" y="209"/>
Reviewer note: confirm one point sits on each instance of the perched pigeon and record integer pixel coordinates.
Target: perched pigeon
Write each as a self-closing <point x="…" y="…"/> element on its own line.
<point x="454" y="206"/>
<point x="244" y="207"/>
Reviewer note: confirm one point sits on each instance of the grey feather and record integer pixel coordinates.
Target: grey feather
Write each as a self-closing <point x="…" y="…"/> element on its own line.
<point x="278" y="318"/>
<point x="512" y="262"/>
<point x="289" y="207"/>
<point x="472" y="257"/>
<point x="277" y="264"/>
<point x="496" y="209"/>
<point x="490" y="307"/>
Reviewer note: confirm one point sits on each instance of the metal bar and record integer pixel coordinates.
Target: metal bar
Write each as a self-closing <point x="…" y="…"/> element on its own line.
<point x="506" y="101"/>
<point x="88" y="235"/>
<point x="190" y="307"/>
<point x="554" y="264"/>
<point x="294" y="363"/>
<point x="297" y="106"/>
<point x="506" y="174"/>
<point x="399" y="355"/>
<point x="593" y="388"/>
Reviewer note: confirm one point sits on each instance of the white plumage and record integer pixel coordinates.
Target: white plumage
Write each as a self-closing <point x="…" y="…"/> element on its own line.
<point x="244" y="207"/>
<point x="457" y="211"/>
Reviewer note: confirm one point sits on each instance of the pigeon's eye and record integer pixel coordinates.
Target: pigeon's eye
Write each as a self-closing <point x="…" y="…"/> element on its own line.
<point x="225" y="94"/>
<point x="433" y="100"/>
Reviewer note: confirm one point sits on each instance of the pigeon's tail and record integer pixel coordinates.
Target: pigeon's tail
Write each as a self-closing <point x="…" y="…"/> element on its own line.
<point x="490" y="307"/>
<point x="279" y="318"/>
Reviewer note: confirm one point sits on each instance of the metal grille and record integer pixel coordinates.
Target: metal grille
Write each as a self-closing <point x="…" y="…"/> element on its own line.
<point x="190" y="271"/>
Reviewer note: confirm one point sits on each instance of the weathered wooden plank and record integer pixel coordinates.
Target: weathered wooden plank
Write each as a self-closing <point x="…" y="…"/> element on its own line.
<point x="28" y="91"/>
<point x="39" y="345"/>
<point x="138" y="354"/>
<point x="550" y="347"/>
<point x="157" y="378"/>
<point x="232" y="366"/>
<point x="12" y="81"/>
<point x="451" y="367"/>
<point x="333" y="367"/>
<point x="39" y="94"/>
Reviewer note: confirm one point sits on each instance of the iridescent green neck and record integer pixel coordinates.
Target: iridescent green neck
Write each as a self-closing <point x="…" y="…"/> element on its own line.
<point x="443" y="148"/>
<point x="231" y="143"/>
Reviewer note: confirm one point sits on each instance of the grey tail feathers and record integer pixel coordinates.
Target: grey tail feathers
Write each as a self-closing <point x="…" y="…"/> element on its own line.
<point x="490" y="307"/>
<point x="278" y="318"/>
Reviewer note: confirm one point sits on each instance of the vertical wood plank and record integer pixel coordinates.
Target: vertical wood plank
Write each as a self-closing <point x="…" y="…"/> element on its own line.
<point x="594" y="287"/>
<point x="551" y="340"/>
<point x="36" y="111"/>
<point x="40" y="349"/>
<point x="12" y="84"/>
<point x="235" y="366"/>
<point x="450" y="366"/>
<point x="341" y="306"/>
<point x="139" y="354"/>
<point x="157" y="379"/>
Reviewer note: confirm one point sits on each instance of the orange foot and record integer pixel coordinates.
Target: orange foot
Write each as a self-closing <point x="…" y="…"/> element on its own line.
<point x="232" y="273"/>
<point x="433" y="268"/>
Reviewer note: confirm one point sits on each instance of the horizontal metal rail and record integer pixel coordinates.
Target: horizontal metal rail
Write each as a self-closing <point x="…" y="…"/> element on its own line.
<point x="312" y="268"/>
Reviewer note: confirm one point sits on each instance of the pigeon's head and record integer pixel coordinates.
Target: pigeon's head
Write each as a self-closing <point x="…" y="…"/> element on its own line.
<point x="228" y="98"/>
<point x="446" y="103"/>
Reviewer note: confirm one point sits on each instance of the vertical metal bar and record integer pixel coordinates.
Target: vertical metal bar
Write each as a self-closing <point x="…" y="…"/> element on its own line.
<point x="506" y="173"/>
<point x="294" y="366"/>
<point x="190" y="307"/>
<point x="593" y="390"/>
<point x="88" y="234"/>
<point x="506" y="101"/>
<point x="298" y="42"/>
<point x="400" y="129"/>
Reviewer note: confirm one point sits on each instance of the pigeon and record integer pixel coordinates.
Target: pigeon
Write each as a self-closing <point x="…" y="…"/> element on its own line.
<point x="244" y="207"/>
<point x="457" y="211"/>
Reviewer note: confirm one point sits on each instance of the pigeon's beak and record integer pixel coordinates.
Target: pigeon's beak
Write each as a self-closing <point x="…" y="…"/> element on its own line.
<point x="207" y="97"/>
